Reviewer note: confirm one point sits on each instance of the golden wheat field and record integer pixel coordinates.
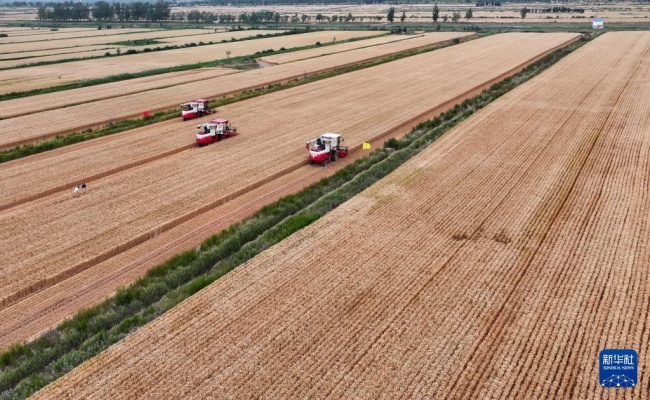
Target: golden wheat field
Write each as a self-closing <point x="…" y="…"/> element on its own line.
<point x="64" y="34"/>
<point x="22" y="106"/>
<point x="24" y="58"/>
<point x="55" y="46"/>
<point x="320" y="51"/>
<point x="57" y="74"/>
<point x="29" y="127"/>
<point x="135" y="200"/>
<point x="497" y="263"/>
<point x="51" y="101"/>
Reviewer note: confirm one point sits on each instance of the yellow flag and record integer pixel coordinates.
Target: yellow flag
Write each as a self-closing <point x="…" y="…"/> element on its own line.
<point x="366" y="146"/>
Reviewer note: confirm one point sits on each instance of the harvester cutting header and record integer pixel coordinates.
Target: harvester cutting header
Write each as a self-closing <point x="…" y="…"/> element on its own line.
<point x="326" y="148"/>
<point x="214" y="131"/>
<point x="195" y="109"/>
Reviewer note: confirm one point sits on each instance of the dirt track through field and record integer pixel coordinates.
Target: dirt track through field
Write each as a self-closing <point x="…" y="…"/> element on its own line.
<point x="181" y="176"/>
<point x="495" y="264"/>
<point x="28" y="128"/>
<point x="56" y="74"/>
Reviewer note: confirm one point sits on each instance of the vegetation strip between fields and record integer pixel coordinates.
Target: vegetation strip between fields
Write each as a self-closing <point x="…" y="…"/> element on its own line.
<point x="25" y="368"/>
<point x="127" y="124"/>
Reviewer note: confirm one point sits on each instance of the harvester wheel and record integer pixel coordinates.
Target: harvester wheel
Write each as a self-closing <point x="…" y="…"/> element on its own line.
<point x="311" y="162"/>
<point x="335" y="156"/>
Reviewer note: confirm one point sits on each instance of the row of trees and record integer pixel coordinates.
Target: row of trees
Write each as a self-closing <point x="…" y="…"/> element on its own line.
<point x="67" y="11"/>
<point x="558" y="10"/>
<point x="104" y="11"/>
<point x="160" y="11"/>
<point x="258" y="17"/>
<point x="455" y="17"/>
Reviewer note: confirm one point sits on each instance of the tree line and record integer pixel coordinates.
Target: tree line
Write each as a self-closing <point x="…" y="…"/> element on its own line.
<point x="435" y="15"/>
<point x="104" y="11"/>
<point x="558" y="10"/>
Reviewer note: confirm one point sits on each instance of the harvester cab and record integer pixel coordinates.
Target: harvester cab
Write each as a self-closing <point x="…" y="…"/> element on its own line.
<point x="326" y="148"/>
<point x="195" y="109"/>
<point x="214" y="131"/>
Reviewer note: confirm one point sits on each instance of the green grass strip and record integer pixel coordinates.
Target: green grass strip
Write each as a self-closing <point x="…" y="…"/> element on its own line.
<point x="137" y="42"/>
<point x="25" y="368"/>
<point x="127" y="124"/>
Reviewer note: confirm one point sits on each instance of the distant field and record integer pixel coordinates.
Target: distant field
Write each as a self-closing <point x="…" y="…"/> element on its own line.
<point x="56" y="74"/>
<point x="35" y="56"/>
<point x="166" y="37"/>
<point x="112" y="49"/>
<point x="64" y="34"/>
<point x="101" y="51"/>
<point x="290" y="57"/>
<point x="495" y="264"/>
<point x="508" y="13"/>
<point x="15" y="31"/>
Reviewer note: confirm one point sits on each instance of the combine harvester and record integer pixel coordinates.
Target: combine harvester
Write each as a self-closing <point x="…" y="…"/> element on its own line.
<point x="195" y="109"/>
<point x="214" y="131"/>
<point x="326" y="148"/>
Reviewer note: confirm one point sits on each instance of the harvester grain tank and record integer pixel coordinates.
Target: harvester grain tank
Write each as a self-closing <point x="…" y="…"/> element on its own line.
<point x="195" y="109"/>
<point x="214" y="131"/>
<point x="326" y="148"/>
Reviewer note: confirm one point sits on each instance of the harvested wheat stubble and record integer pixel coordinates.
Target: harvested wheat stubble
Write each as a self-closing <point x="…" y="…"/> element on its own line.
<point x="47" y="308"/>
<point x="127" y="208"/>
<point x="57" y="57"/>
<point x="40" y="312"/>
<point x="18" y="15"/>
<point x="34" y="56"/>
<point x="552" y="267"/>
<point x="29" y="128"/>
<point x="58" y="45"/>
<point x="319" y="51"/>
<point x="102" y="112"/>
<point x="56" y="36"/>
<point x="10" y="108"/>
<point x="42" y="31"/>
<point x="64" y="53"/>
<point x="210" y="36"/>
<point x="56" y="74"/>
<point x="59" y="35"/>
<point x="50" y="101"/>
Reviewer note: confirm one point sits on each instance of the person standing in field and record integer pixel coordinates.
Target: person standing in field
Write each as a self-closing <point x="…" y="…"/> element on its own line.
<point x="75" y="191"/>
<point x="83" y="187"/>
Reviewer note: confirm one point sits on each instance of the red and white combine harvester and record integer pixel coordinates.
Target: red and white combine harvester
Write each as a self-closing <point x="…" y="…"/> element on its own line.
<point x="214" y="131"/>
<point x="326" y="148"/>
<point x="195" y="109"/>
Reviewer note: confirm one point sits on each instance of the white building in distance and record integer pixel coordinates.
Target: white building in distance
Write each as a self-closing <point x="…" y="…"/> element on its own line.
<point x="598" y="23"/>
